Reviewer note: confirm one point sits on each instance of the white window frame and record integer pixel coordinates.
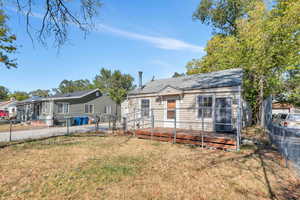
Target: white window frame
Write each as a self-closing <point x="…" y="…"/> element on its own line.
<point x="63" y="108"/>
<point x="140" y="107"/>
<point x="198" y="106"/>
<point x="45" y="107"/>
<point x="93" y="110"/>
<point x="110" y="109"/>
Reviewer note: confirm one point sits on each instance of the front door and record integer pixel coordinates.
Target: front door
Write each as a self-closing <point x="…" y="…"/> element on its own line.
<point x="223" y="114"/>
<point x="170" y="112"/>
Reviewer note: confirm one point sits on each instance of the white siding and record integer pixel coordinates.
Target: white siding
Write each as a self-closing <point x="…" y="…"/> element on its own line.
<point x="187" y="115"/>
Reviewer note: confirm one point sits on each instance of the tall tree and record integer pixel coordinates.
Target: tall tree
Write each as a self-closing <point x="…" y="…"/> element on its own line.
<point x="68" y="86"/>
<point x="114" y="83"/>
<point x="266" y="45"/>
<point x="4" y="92"/>
<point x="222" y="15"/>
<point x="7" y="46"/>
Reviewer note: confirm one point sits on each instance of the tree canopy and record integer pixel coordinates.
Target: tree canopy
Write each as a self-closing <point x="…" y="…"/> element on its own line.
<point x="4" y="92"/>
<point x="114" y="83"/>
<point x="222" y="15"/>
<point x="176" y="74"/>
<point x="68" y="86"/>
<point x="40" y="93"/>
<point x="19" y="95"/>
<point x="265" y="44"/>
<point x="7" y="45"/>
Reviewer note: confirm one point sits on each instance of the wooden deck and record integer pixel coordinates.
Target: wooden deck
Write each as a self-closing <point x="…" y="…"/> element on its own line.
<point x="184" y="136"/>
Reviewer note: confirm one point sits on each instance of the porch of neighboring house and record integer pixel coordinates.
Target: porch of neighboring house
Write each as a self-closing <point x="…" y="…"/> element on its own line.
<point x="30" y="112"/>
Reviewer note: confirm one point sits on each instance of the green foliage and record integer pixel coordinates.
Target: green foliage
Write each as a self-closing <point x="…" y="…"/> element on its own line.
<point x="68" y="86"/>
<point x="4" y="93"/>
<point x="40" y="93"/>
<point x="176" y="74"/>
<point x="7" y="46"/>
<point x="266" y="45"/>
<point x="221" y="14"/>
<point x="114" y="83"/>
<point x="291" y="88"/>
<point x="19" y="95"/>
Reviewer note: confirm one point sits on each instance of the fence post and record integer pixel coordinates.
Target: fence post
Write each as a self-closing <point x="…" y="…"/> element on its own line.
<point x="97" y="123"/>
<point x="175" y="126"/>
<point x="238" y="126"/>
<point x="284" y="147"/>
<point x="109" y="121"/>
<point x="124" y="124"/>
<point x="114" y="124"/>
<point x="134" y="119"/>
<point x="202" y="120"/>
<point x="67" y="124"/>
<point x="152" y="123"/>
<point x="10" y="129"/>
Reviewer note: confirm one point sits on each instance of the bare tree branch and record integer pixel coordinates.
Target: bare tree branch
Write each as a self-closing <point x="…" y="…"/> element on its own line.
<point x="57" y="16"/>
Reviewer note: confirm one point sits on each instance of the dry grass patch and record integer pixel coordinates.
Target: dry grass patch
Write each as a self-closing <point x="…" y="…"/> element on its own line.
<point x="119" y="167"/>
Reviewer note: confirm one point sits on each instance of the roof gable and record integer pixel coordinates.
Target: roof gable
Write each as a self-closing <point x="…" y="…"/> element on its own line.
<point x="169" y="90"/>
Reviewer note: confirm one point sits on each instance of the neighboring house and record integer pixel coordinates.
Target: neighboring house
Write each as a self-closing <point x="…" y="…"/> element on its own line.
<point x="55" y="109"/>
<point x="9" y="106"/>
<point x="211" y="101"/>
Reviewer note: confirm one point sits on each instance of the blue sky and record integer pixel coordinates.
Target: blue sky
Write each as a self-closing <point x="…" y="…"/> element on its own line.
<point x="157" y="37"/>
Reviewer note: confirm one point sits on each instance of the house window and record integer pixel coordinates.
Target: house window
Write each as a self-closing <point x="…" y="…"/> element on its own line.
<point x="63" y="108"/>
<point x="171" y="108"/>
<point x="107" y="110"/>
<point x="145" y="107"/>
<point x="88" y="108"/>
<point x="45" y="107"/>
<point x="204" y="106"/>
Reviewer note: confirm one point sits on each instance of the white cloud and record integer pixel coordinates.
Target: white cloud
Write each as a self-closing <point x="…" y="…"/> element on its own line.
<point x="166" y="43"/>
<point x="159" y="42"/>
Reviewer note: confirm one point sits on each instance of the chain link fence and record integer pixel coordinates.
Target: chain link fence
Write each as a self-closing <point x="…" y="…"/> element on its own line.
<point x="204" y="126"/>
<point x="286" y="140"/>
<point x="14" y="130"/>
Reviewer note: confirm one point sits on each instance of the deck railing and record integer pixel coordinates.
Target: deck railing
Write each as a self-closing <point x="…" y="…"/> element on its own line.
<point x="191" y="123"/>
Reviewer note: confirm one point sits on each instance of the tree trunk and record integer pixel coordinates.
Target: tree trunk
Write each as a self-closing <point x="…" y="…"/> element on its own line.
<point x="260" y="119"/>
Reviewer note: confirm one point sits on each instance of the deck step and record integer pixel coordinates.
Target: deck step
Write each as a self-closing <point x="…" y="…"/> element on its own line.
<point x="185" y="138"/>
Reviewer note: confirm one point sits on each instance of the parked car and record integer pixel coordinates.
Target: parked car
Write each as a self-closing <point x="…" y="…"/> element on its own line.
<point x="290" y="120"/>
<point x="4" y="114"/>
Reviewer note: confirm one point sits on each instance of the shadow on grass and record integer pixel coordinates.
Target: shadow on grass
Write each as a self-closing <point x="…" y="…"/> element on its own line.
<point x="267" y="157"/>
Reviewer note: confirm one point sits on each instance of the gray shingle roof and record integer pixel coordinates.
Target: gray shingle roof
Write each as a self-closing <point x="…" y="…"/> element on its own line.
<point x="77" y="94"/>
<point x="224" y="78"/>
<point x="31" y="99"/>
<point x="73" y="94"/>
